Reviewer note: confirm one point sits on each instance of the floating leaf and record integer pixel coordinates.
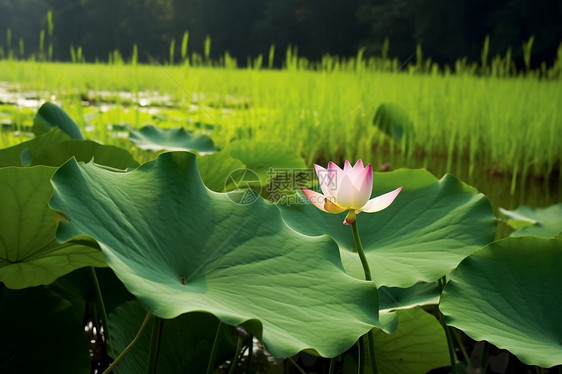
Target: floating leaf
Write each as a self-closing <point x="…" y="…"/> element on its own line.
<point x="40" y="333"/>
<point x="185" y="341"/>
<point x="541" y="222"/>
<point x="265" y="159"/>
<point x="50" y="115"/>
<point x="393" y="120"/>
<point x="180" y="248"/>
<point x="430" y="227"/>
<point x="55" y="148"/>
<point x="29" y="252"/>
<point x="216" y="169"/>
<point x="152" y="138"/>
<point x="84" y="150"/>
<point x="416" y="346"/>
<point x="12" y="156"/>
<point x="508" y="293"/>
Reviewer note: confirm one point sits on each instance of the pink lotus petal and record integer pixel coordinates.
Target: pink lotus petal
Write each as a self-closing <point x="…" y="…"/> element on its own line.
<point x="319" y="168"/>
<point x="347" y="195"/>
<point x="315" y="198"/>
<point x="347" y="166"/>
<point x="333" y="166"/>
<point x="326" y="180"/>
<point x="364" y="184"/>
<point x="355" y="173"/>
<point x="380" y="202"/>
<point x="336" y="177"/>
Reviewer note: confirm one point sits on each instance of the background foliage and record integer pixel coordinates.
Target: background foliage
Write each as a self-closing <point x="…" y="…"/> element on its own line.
<point x="248" y="27"/>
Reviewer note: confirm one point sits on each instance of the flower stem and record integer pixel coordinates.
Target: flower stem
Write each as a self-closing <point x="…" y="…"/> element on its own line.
<point x="360" y="251"/>
<point x="154" y="346"/>
<point x="367" y="340"/>
<point x="128" y="348"/>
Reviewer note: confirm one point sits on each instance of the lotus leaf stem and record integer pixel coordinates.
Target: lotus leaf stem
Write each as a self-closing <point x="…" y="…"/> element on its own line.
<point x="250" y="354"/>
<point x="213" y="356"/>
<point x="332" y="365"/>
<point x="154" y="346"/>
<point x="372" y="356"/>
<point x="461" y="345"/>
<point x="362" y="354"/>
<point x="485" y="355"/>
<point x="296" y="365"/>
<point x="450" y="345"/>
<point x="131" y="344"/>
<point x="101" y="305"/>
<point x="236" y="355"/>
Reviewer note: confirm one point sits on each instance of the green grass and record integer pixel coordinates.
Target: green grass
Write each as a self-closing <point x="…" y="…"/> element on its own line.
<point x="507" y="124"/>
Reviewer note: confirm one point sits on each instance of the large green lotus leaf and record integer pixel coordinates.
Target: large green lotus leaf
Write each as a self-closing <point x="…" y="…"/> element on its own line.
<point x="185" y="341"/>
<point x="29" y="252"/>
<point x="508" y="293"/>
<point x="40" y="334"/>
<point x="430" y="227"/>
<point x="12" y="156"/>
<point x="152" y="138"/>
<point x="50" y="115"/>
<point x="416" y="346"/>
<point x="216" y="170"/>
<point x="180" y="247"/>
<point x="265" y="159"/>
<point x="541" y="222"/>
<point x="54" y="148"/>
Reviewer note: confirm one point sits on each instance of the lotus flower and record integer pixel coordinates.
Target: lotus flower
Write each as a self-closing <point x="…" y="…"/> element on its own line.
<point x="348" y="189"/>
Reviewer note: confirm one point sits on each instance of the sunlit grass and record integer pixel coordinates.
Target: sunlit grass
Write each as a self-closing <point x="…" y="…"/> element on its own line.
<point x="504" y="124"/>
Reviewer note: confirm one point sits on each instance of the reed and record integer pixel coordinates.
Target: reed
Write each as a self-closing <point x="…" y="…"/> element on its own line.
<point x="488" y="116"/>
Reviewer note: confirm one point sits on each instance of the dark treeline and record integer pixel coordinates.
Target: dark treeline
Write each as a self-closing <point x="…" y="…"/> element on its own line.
<point x="446" y="29"/>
